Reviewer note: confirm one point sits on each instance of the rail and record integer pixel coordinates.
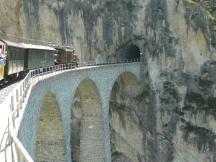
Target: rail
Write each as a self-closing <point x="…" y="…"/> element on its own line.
<point x="18" y="97"/>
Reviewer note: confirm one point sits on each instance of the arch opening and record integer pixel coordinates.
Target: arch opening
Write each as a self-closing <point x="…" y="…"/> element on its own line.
<point x="87" y="136"/>
<point x="126" y="136"/>
<point x="50" y="144"/>
<point x="132" y="52"/>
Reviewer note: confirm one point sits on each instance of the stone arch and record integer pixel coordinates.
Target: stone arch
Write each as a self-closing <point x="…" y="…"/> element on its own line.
<point x="87" y="125"/>
<point x="126" y="137"/>
<point x="50" y="145"/>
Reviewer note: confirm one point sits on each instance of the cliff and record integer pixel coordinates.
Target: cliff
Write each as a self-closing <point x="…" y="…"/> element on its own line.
<point x="174" y="115"/>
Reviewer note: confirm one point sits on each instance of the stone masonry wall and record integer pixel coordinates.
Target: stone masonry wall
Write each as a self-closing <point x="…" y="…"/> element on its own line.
<point x="64" y="86"/>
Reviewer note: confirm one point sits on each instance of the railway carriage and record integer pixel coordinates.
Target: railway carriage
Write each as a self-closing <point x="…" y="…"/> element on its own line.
<point x="1" y="68"/>
<point x="38" y="56"/>
<point x="12" y="56"/>
<point x="17" y="58"/>
<point x="2" y="59"/>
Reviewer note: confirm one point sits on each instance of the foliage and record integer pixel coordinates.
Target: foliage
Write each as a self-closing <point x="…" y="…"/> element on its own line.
<point x="210" y="8"/>
<point x="204" y="137"/>
<point x="194" y="97"/>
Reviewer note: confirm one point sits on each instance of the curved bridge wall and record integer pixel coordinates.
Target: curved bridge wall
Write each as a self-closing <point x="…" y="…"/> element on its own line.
<point x="64" y="86"/>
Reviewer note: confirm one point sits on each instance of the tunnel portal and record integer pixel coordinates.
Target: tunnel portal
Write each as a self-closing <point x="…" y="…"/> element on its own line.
<point x="132" y="52"/>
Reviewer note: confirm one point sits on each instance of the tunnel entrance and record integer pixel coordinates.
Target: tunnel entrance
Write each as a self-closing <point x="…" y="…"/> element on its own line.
<point x="132" y="52"/>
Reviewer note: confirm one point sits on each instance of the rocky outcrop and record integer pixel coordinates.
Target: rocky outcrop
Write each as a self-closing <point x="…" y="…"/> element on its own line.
<point x="132" y="122"/>
<point x="173" y="113"/>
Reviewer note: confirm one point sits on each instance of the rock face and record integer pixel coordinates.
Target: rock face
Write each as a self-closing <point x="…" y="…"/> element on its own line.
<point x="172" y="114"/>
<point x="126" y="124"/>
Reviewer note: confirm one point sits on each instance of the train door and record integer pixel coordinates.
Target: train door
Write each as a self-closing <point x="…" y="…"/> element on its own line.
<point x="2" y="59"/>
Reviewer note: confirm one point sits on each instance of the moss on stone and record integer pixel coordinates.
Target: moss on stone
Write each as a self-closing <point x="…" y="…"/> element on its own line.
<point x="169" y="88"/>
<point x="190" y="1"/>
<point x="187" y="108"/>
<point x="212" y="103"/>
<point x="130" y="6"/>
<point x="194" y="97"/>
<point x="204" y="83"/>
<point x="163" y="40"/>
<point x="203" y="137"/>
<point x="123" y="111"/>
<point x="179" y="112"/>
<point x="213" y="62"/>
<point x="202" y="15"/>
<point x="145" y="92"/>
<point x="211" y="108"/>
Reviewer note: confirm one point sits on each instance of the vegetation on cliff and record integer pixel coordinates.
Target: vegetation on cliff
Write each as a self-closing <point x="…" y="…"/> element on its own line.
<point x="209" y="6"/>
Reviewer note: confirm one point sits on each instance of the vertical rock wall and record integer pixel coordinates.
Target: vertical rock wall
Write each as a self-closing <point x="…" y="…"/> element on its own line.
<point x="177" y="114"/>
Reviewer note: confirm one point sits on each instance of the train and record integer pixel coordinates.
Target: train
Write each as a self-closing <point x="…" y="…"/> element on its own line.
<point x="65" y="54"/>
<point x="16" y="59"/>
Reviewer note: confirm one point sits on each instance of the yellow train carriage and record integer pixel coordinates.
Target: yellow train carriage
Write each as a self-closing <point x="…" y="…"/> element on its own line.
<point x="1" y="69"/>
<point x="2" y="59"/>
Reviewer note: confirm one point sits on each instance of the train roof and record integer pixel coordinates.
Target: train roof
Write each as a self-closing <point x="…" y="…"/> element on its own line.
<point x="1" y="42"/>
<point x="13" y="44"/>
<point x="33" y="46"/>
<point x="26" y="46"/>
<point x="69" y="48"/>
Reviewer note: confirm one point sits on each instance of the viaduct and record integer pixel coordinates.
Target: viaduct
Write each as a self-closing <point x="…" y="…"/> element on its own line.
<point x="74" y="99"/>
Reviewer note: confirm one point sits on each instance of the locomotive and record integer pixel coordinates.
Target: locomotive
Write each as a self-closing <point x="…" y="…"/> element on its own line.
<point x="16" y="59"/>
<point x="65" y="54"/>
